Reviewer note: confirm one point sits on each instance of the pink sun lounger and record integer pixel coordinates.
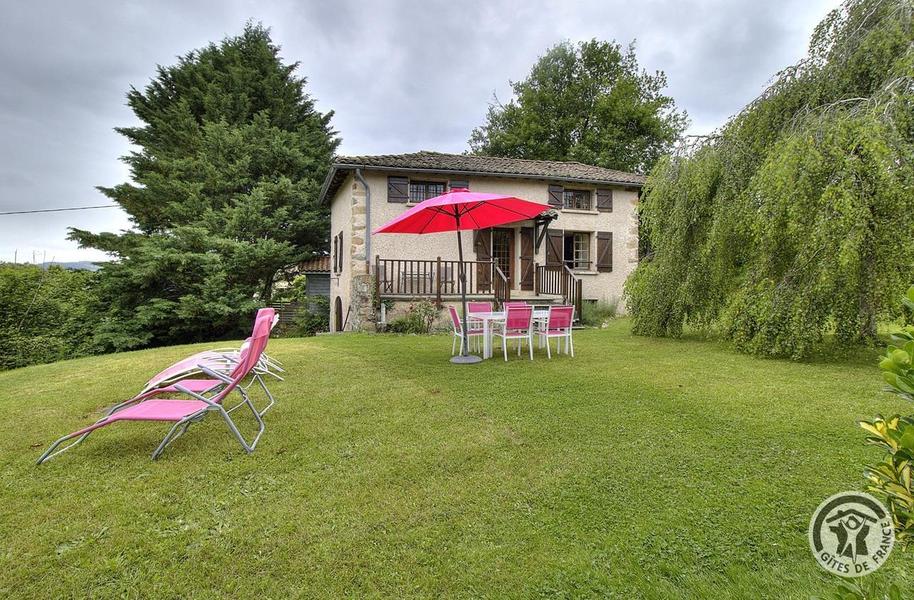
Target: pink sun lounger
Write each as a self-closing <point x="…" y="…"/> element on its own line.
<point x="182" y="412"/>
<point x="222" y="361"/>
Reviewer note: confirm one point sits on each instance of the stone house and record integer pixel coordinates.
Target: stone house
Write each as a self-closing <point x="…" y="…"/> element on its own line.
<point x="580" y="251"/>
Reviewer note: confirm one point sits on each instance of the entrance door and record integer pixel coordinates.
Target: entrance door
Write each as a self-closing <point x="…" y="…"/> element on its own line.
<point x="503" y="252"/>
<point x="526" y="258"/>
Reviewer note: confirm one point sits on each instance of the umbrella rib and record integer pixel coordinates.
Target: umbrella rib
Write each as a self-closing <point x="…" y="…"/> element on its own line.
<point x="475" y="222"/>
<point x="429" y="222"/>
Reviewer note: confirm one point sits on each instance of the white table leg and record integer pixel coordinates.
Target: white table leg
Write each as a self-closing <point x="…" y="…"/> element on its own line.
<point x="486" y="339"/>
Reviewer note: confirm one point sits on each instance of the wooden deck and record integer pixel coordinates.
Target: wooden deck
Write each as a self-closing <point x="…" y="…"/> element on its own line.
<point x="438" y="280"/>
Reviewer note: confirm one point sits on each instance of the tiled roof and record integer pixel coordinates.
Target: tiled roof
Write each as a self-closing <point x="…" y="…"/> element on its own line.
<point x="463" y="164"/>
<point x="318" y="264"/>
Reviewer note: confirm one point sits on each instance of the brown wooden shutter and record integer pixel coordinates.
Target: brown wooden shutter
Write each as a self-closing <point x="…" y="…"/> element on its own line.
<point x="458" y="183"/>
<point x="554" y="247"/>
<point x="604" y="251"/>
<point x="336" y="252"/>
<point x="605" y="200"/>
<point x="340" y="253"/>
<point x="556" y="196"/>
<point x="527" y="258"/>
<point x="398" y="189"/>
<point x="482" y="244"/>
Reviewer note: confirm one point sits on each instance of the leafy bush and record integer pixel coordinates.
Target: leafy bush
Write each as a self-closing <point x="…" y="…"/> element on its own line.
<point x="314" y="319"/>
<point x="868" y="588"/>
<point x="47" y="315"/>
<point x="595" y="314"/>
<point x="419" y="319"/>
<point x="893" y="476"/>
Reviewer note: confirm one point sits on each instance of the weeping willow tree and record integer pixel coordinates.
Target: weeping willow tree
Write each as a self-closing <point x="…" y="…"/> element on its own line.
<point x="795" y="220"/>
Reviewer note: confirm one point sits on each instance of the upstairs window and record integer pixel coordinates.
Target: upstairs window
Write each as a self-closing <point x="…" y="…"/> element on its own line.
<point x="423" y="190"/>
<point x="578" y="199"/>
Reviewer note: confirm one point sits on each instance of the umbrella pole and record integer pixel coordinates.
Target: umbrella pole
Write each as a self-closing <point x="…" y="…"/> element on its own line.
<point x="464" y="357"/>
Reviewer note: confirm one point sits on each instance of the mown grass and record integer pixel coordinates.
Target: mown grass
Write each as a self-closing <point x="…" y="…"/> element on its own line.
<point x="642" y="468"/>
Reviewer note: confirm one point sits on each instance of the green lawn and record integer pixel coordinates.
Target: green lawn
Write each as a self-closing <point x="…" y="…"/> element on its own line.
<point x="643" y="468"/>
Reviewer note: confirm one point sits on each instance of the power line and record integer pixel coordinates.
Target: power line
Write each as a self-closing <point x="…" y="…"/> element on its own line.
<point x="50" y="210"/>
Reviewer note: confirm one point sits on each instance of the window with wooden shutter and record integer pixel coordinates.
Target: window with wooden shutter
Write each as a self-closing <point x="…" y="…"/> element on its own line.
<point x="556" y="196"/>
<point x="605" y="200"/>
<point x="398" y="189"/>
<point x="458" y="183"/>
<point x="604" y="251"/>
<point x="554" y="247"/>
<point x="336" y="252"/>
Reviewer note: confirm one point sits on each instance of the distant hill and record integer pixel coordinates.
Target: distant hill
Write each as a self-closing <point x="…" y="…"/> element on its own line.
<point x="82" y="265"/>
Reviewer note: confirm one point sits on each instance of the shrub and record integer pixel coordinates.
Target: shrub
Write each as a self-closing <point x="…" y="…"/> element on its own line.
<point x="595" y="314"/>
<point x="419" y="319"/>
<point x="892" y="477"/>
<point x="313" y="319"/>
<point x="47" y="315"/>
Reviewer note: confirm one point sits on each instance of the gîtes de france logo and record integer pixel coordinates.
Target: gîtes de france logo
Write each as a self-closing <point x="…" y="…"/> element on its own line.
<point x="851" y="534"/>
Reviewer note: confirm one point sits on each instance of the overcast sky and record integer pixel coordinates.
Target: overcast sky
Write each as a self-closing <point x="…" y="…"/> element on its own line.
<point x="401" y="75"/>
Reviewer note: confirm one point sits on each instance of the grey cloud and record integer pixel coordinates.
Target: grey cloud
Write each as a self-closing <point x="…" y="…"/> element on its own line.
<point x="402" y="75"/>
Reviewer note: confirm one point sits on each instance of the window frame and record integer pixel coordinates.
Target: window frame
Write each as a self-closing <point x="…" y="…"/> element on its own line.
<point x="442" y="185"/>
<point x="569" y="198"/>
<point x="580" y="243"/>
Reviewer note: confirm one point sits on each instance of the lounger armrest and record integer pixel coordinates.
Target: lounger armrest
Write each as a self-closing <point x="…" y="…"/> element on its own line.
<point x="200" y="397"/>
<point x="215" y="374"/>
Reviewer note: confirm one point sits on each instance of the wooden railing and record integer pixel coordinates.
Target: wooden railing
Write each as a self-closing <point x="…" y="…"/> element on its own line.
<point x="502" y="288"/>
<point x="573" y="292"/>
<point x="434" y="279"/>
<point x="559" y="280"/>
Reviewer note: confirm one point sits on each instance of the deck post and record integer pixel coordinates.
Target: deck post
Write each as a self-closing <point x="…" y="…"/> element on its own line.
<point x="536" y="287"/>
<point x="438" y="283"/>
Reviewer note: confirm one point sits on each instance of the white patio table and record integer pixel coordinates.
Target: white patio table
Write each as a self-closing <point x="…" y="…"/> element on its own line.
<point x="488" y="318"/>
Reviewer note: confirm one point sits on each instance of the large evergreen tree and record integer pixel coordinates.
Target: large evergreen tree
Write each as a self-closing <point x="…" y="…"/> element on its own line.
<point x="794" y="221"/>
<point x="589" y="102"/>
<point x="230" y="157"/>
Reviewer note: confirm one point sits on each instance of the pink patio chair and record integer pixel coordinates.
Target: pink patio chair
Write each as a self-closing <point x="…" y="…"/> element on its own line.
<point x="479" y="307"/>
<point x="183" y="412"/>
<point x="518" y="326"/>
<point x="514" y="304"/>
<point x="558" y="325"/>
<point x="475" y="307"/>
<point x="474" y="332"/>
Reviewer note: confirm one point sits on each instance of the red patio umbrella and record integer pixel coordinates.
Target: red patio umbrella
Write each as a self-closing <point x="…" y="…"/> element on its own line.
<point x="461" y="209"/>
